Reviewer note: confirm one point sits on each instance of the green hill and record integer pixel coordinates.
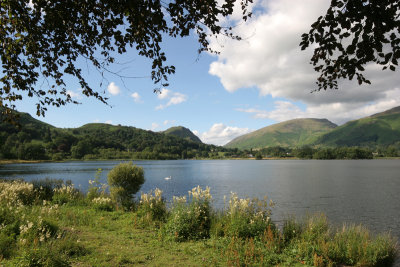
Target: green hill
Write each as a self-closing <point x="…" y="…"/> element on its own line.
<point x="37" y="140"/>
<point x="182" y="132"/>
<point x="379" y="129"/>
<point x="293" y="133"/>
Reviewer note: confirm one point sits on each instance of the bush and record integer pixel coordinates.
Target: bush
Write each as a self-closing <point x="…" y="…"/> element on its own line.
<point x="352" y="245"/>
<point x="44" y="188"/>
<point x="43" y="256"/>
<point x="37" y="230"/>
<point x="102" y="203"/>
<point x="190" y="221"/>
<point x="125" y="180"/>
<point x="7" y="245"/>
<point x="291" y="230"/>
<point x="152" y="207"/>
<point x="65" y="194"/>
<point x="96" y="188"/>
<point x="247" y="217"/>
<point x="16" y="193"/>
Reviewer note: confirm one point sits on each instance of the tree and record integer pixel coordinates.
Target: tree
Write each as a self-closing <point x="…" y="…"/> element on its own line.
<point x="352" y="34"/>
<point x="125" y="180"/>
<point x="41" y="38"/>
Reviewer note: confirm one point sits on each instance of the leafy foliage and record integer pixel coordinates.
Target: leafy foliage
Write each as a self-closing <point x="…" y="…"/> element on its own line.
<point x="125" y="180"/>
<point x="352" y="34"/>
<point x="46" y="39"/>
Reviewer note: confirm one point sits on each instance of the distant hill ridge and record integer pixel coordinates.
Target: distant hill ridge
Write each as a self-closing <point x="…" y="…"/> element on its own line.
<point x="378" y="129"/>
<point x="292" y="133"/>
<point x="38" y="140"/>
<point x="182" y="132"/>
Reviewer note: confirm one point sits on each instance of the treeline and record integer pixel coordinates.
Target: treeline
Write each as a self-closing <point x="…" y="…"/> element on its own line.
<point x="39" y="141"/>
<point x="308" y="152"/>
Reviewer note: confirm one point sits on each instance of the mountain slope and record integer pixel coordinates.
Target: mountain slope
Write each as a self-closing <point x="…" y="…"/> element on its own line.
<point x="182" y="132"/>
<point x="291" y="133"/>
<point x="379" y="129"/>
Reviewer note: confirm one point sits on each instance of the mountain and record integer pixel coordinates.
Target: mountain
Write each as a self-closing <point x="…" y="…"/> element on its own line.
<point x="292" y="133"/>
<point x="378" y="129"/>
<point x="182" y="132"/>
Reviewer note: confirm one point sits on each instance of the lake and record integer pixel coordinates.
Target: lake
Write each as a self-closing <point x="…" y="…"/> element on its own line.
<point x="356" y="191"/>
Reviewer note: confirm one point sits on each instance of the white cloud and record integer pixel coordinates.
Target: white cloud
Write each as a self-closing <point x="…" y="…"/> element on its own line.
<point x="163" y="93"/>
<point x="108" y="122"/>
<point x="196" y="133"/>
<point x="337" y="112"/>
<point x="220" y="134"/>
<point x="166" y="122"/>
<point x="96" y="121"/>
<point x="154" y="126"/>
<point x="113" y="89"/>
<point x="284" y="110"/>
<point x="73" y="94"/>
<point x="271" y="60"/>
<point x="136" y="97"/>
<point x="174" y="98"/>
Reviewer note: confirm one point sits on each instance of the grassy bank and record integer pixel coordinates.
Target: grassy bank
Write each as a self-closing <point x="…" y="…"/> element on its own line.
<point x="52" y="224"/>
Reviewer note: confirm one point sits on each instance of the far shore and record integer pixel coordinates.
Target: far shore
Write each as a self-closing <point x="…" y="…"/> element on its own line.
<point x="19" y="161"/>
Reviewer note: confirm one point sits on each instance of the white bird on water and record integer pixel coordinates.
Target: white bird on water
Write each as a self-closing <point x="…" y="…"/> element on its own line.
<point x="167" y="178"/>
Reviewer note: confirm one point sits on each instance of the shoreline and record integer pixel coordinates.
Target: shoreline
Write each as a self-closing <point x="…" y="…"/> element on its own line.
<point x="17" y="161"/>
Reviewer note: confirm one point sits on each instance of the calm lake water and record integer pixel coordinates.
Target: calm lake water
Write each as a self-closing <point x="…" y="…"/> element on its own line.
<point x="363" y="191"/>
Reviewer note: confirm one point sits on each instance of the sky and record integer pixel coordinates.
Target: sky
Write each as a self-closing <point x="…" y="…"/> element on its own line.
<point x="261" y="80"/>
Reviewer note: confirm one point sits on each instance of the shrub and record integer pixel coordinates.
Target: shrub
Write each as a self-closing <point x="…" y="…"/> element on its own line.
<point x="44" y="188"/>
<point x="102" y="203"/>
<point x="352" y="245"/>
<point x="9" y="221"/>
<point x="96" y="188"/>
<point x="247" y="217"/>
<point x="125" y="180"/>
<point x="152" y="207"/>
<point x="37" y="230"/>
<point x="16" y="193"/>
<point x="43" y="256"/>
<point x="65" y="194"/>
<point x="69" y="247"/>
<point x="7" y="245"/>
<point x="190" y="221"/>
<point x="291" y="230"/>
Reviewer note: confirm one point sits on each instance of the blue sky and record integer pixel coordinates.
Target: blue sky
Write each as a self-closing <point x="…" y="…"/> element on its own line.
<point x="253" y="83"/>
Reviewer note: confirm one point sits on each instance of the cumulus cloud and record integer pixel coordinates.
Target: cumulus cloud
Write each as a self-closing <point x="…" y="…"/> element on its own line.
<point x="164" y="93"/>
<point x="173" y="98"/>
<point x="166" y="122"/>
<point x="76" y="95"/>
<point x="284" y="110"/>
<point x="271" y="60"/>
<point x="220" y="134"/>
<point x="113" y="89"/>
<point x="154" y="126"/>
<point x="108" y="122"/>
<point x="337" y="112"/>
<point x="136" y="97"/>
